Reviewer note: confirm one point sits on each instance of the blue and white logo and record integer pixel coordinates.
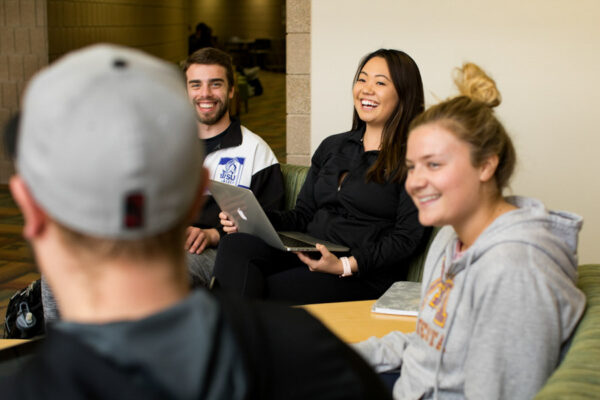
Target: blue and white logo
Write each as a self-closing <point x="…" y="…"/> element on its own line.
<point x="230" y="170"/>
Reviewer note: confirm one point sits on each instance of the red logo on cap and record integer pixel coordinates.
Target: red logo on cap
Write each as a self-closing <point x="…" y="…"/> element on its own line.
<point x="134" y="211"/>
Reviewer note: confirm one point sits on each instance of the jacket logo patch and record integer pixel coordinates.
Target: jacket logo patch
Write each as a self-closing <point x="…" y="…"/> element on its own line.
<point x="230" y="170"/>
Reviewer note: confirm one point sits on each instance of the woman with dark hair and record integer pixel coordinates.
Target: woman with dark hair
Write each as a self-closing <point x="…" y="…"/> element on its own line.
<point x="353" y="195"/>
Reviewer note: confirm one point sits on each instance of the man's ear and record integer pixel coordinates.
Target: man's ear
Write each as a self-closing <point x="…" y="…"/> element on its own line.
<point x="231" y="91"/>
<point x="487" y="169"/>
<point x="200" y="197"/>
<point x="35" y="218"/>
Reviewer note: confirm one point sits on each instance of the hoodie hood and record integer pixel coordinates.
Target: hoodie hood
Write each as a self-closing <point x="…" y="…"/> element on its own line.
<point x="173" y="351"/>
<point x="553" y="232"/>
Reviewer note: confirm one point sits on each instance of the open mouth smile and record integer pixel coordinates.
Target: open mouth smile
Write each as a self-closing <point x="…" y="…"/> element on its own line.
<point x="368" y="104"/>
<point x="428" y="199"/>
<point x="206" y="105"/>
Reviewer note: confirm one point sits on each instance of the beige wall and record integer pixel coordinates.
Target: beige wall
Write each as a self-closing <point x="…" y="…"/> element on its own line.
<point x="158" y="27"/>
<point x="543" y="54"/>
<point x="23" y="50"/>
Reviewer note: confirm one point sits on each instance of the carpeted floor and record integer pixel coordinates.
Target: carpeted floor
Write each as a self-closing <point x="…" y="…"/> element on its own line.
<point x="266" y="113"/>
<point x="265" y="117"/>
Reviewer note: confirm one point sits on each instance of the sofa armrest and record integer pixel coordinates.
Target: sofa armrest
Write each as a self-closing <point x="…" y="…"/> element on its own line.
<point x="578" y="376"/>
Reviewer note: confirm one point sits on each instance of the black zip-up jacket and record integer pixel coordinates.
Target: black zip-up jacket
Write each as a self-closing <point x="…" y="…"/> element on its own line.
<point x="378" y="222"/>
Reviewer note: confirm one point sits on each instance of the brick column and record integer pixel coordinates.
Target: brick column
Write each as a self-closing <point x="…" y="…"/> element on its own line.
<point x="23" y="50"/>
<point x="298" y="82"/>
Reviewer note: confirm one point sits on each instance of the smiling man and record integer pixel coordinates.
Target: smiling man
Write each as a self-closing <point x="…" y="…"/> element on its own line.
<point x="235" y="155"/>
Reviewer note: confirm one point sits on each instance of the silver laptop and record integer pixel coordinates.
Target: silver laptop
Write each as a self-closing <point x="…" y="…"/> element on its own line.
<point x="242" y="207"/>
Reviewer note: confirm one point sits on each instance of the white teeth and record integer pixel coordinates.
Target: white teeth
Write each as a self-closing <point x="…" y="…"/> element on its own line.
<point x="205" y="105"/>
<point x="368" y="103"/>
<point x="428" y="198"/>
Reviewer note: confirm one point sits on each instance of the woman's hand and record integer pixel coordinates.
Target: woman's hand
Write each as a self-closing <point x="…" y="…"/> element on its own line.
<point x="328" y="262"/>
<point x="229" y="225"/>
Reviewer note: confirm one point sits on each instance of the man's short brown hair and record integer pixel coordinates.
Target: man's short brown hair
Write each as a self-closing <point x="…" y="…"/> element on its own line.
<point x="211" y="56"/>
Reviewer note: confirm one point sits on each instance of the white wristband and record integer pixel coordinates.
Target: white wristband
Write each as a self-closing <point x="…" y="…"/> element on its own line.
<point x="346" y="266"/>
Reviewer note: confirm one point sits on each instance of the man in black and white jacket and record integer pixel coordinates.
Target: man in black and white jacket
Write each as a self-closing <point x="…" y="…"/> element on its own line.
<point x="234" y="154"/>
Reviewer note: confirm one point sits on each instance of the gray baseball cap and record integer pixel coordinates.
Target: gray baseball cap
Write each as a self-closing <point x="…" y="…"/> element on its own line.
<point x="108" y="143"/>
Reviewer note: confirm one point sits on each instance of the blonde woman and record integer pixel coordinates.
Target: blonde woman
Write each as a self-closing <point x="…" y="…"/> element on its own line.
<point x="499" y="301"/>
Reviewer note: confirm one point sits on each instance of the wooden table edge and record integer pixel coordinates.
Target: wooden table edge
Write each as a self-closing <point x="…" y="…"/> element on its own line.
<point x="353" y="321"/>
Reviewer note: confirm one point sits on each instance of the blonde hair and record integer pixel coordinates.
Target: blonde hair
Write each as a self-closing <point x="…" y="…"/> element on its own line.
<point x="471" y="118"/>
<point x="474" y="83"/>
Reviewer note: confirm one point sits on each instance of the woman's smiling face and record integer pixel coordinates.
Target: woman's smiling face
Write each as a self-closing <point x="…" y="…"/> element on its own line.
<point x="375" y="97"/>
<point x="441" y="180"/>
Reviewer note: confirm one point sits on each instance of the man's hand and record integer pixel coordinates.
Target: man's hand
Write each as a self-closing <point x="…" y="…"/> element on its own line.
<point x="198" y="239"/>
<point x="229" y="225"/>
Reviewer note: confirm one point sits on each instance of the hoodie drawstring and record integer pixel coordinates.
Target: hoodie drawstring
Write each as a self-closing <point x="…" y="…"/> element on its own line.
<point x="451" y="322"/>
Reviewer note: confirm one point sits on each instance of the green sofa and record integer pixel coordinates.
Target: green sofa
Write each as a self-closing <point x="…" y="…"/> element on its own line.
<point x="578" y="376"/>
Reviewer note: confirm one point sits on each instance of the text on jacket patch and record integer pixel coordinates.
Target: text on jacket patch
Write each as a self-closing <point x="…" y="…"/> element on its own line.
<point x="230" y="170"/>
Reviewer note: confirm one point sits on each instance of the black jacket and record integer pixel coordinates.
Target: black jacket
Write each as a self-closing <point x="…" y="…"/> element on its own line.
<point x="379" y="222"/>
<point x="285" y="353"/>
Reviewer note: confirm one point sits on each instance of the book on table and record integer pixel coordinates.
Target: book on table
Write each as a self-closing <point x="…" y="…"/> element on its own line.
<point x="402" y="298"/>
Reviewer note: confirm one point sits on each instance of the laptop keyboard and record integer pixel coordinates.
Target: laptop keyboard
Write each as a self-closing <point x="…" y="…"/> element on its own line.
<point x="291" y="242"/>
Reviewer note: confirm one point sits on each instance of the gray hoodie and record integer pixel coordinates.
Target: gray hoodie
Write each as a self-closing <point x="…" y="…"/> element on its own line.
<point x="493" y="323"/>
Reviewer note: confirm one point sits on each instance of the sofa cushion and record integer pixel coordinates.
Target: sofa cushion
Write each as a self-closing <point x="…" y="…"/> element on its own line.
<point x="293" y="179"/>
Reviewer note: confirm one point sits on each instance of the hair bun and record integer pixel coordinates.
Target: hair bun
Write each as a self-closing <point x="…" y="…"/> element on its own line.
<point x="474" y="83"/>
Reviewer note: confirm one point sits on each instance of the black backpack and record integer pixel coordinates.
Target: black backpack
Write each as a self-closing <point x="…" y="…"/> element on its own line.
<point x="25" y="314"/>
